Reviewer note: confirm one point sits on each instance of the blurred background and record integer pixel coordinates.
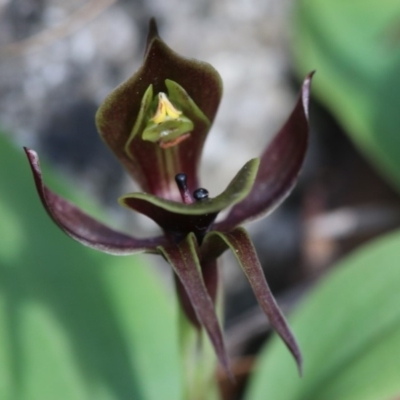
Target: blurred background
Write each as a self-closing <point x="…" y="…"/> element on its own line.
<point x="58" y="60"/>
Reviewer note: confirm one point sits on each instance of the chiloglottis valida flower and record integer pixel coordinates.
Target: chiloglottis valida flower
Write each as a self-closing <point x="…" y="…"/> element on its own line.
<point x="156" y="124"/>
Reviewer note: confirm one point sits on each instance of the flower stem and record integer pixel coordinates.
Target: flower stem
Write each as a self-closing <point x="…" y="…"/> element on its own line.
<point x="198" y="361"/>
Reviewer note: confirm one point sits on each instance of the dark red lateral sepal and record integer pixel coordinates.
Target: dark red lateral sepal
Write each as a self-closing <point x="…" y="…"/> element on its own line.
<point x="83" y="228"/>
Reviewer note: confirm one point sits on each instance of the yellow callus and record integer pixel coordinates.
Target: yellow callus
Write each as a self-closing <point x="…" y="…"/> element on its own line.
<point x="165" y="110"/>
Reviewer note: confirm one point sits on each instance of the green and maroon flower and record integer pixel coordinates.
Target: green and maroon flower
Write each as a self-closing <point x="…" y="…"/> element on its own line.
<point x="156" y="124"/>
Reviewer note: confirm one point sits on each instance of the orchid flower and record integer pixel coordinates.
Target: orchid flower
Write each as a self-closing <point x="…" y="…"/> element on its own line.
<point x="156" y="124"/>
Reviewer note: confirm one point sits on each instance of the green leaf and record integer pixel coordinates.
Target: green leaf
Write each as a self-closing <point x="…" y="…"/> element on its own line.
<point x="75" y="324"/>
<point x="349" y="331"/>
<point x="354" y="46"/>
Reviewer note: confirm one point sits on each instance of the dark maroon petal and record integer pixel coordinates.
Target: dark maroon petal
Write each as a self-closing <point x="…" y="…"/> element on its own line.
<point x="150" y="165"/>
<point x="210" y="276"/>
<point x="243" y="249"/>
<point x="209" y="270"/>
<point x="279" y="167"/>
<point x="184" y="260"/>
<point x="186" y="303"/>
<point x="84" y="228"/>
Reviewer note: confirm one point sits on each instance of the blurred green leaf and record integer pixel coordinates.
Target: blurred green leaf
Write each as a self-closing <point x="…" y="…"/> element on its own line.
<point x="349" y="332"/>
<point x="75" y="324"/>
<point x="355" y="48"/>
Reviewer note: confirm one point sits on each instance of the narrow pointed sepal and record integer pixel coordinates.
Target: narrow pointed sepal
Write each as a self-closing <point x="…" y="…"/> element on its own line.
<point x="279" y="168"/>
<point x="83" y="228"/>
<point x="240" y="244"/>
<point x="209" y="269"/>
<point x="186" y="264"/>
